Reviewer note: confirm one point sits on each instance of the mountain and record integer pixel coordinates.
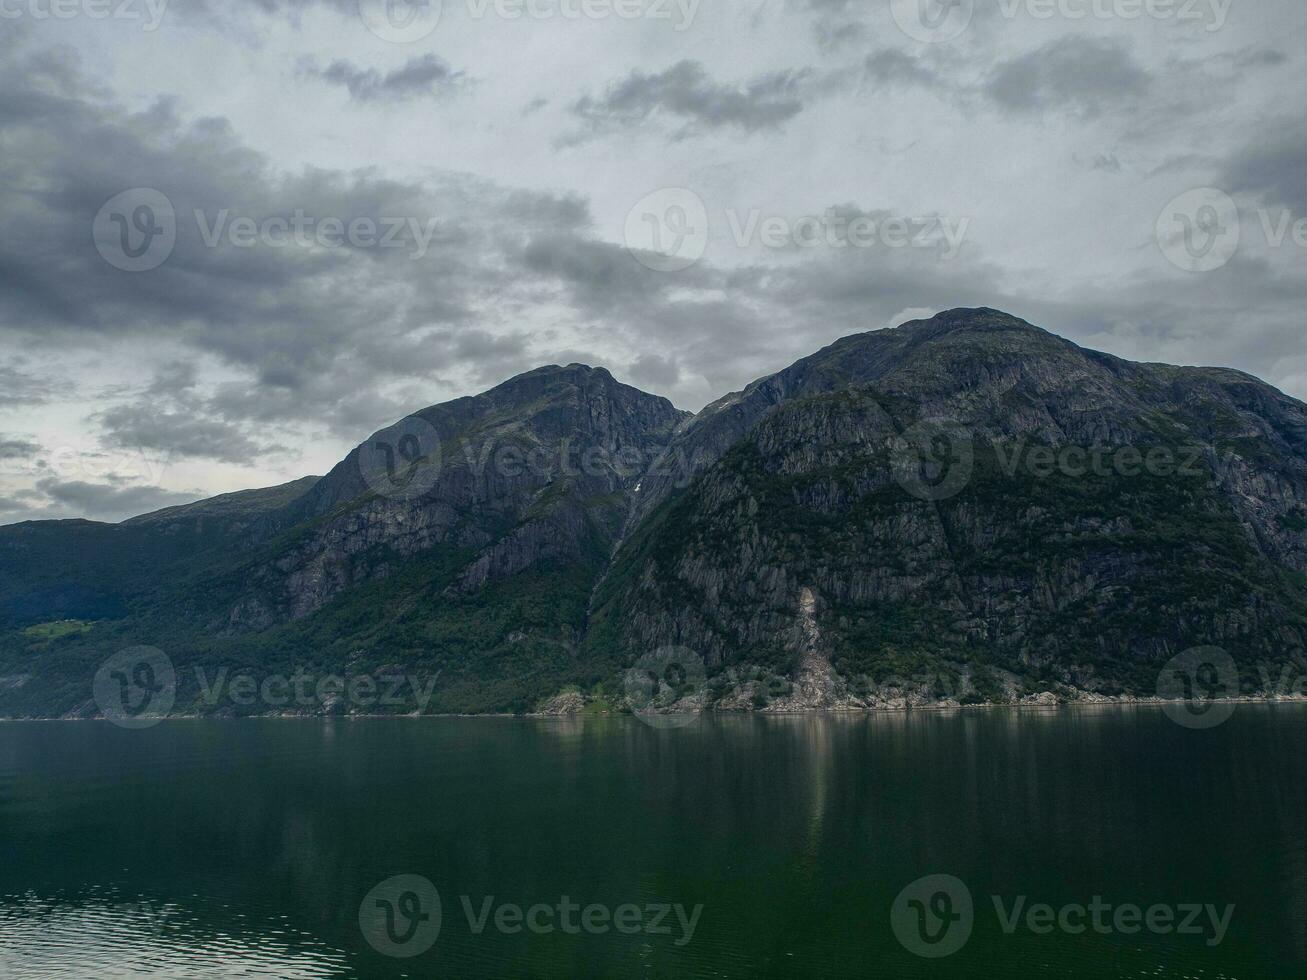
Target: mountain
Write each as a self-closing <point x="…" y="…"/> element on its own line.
<point x="1099" y="518"/>
<point x="966" y="508"/>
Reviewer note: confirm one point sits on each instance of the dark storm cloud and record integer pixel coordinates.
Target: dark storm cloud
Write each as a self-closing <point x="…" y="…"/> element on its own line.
<point x="1078" y="74"/>
<point x="686" y="92"/>
<point x="426" y="75"/>
<point x="318" y="327"/>
<point x="1274" y="166"/>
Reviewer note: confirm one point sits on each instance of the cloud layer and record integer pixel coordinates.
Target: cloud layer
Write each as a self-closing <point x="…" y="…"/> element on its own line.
<point x="359" y="228"/>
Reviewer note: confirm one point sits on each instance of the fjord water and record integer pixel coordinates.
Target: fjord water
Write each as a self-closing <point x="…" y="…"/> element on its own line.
<point x="245" y="848"/>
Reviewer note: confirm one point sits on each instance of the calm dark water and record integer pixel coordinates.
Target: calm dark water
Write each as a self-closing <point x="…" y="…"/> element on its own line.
<point x="245" y="848"/>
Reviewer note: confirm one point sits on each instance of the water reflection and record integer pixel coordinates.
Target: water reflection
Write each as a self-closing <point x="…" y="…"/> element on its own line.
<point x="98" y="936"/>
<point x="229" y="848"/>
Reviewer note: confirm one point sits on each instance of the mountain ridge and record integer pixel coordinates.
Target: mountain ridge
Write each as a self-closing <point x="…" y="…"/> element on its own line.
<point x="945" y="322"/>
<point x="555" y="531"/>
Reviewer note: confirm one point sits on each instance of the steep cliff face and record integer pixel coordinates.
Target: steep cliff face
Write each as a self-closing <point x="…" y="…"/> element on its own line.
<point x="972" y="492"/>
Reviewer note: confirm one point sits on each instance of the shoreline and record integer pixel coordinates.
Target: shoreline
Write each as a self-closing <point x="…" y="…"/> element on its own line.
<point x="845" y="710"/>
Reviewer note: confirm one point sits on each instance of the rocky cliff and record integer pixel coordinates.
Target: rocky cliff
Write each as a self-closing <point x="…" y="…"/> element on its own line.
<point x="973" y="505"/>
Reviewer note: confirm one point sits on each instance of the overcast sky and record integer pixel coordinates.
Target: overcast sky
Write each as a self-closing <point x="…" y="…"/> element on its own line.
<point x="237" y="236"/>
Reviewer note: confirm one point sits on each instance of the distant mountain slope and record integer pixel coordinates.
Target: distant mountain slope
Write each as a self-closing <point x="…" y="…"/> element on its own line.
<point x="465" y="539"/>
<point x="90" y="570"/>
<point x="962" y="508"/>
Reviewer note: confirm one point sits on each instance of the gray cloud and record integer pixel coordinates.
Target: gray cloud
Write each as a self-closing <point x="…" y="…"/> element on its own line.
<point x="1259" y="58"/>
<point x="1273" y="167"/>
<point x="425" y="75"/>
<point x="20" y="387"/>
<point x="273" y="355"/>
<point x="834" y="35"/>
<point x="318" y="330"/>
<point x="655" y="371"/>
<point x="178" y="433"/>
<point x="890" y="66"/>
<point x="686" y="92"/>
<point x="1078" y="74"/>
<point x="12" y="447"/>
<point x="172" y="418"/>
